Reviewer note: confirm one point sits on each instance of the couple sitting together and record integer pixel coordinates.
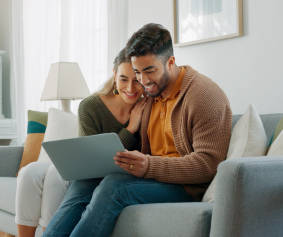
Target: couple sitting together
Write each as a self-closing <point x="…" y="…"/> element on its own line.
<point x="175" y="124"/>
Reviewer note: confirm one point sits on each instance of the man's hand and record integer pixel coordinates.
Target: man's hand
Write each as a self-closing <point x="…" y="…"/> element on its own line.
<point x="134" y="162"/>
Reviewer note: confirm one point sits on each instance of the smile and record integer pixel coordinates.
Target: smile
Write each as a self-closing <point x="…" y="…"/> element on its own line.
<point x="149" y="87"/>
<point x="131" y="95"/>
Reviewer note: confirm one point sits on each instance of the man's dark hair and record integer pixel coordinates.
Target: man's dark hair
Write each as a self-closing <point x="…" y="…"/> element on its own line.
<point x="151" y="39"/>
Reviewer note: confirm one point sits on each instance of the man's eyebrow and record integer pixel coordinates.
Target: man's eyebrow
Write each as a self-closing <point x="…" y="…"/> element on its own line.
<point x="123" y="76"/>
<point x="148" y="68"/>
<point x="145" y="69"/>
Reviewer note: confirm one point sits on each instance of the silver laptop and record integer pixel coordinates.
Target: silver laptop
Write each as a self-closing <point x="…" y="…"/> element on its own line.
<point x="85" y="157"/>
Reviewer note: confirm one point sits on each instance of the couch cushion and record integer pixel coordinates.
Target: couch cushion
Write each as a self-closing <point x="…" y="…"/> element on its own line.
<point x="164" y="220"/>
<point x="278" y="129"/>
<point x="8" y="194"/>
<point x="276" y="148"/>
<point x="248" y="139"/>
<point x="10" y="158"/>
<point x="7" y="223"/>
<point x="37" y="122"/>
<point x="271" y="123"/>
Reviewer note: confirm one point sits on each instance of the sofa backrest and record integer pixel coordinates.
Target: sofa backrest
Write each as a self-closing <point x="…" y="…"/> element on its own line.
<point x="269" y="122"/>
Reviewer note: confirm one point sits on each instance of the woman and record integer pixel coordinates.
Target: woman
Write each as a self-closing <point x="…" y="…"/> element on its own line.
<point x="116" y="108"/>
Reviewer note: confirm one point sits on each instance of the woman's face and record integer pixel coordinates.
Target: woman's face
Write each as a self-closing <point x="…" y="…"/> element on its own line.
<point x="127" y="84"/>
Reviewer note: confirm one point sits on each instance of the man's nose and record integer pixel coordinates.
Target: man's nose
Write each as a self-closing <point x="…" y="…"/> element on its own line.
<point x="144" y="79"/>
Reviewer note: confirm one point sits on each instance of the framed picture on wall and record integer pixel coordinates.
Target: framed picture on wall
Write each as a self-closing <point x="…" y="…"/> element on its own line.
<point x="198" y="21"/>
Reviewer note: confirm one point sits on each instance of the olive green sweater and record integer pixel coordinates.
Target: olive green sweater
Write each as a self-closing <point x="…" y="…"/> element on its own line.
<point x="95" y="118"/>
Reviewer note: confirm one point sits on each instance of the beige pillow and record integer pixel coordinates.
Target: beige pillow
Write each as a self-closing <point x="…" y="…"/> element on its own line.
<point x="60" y="125"/>
<point x="248" y="139"/>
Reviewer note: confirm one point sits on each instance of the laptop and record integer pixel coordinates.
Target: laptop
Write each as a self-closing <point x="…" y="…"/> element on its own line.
<point x="85" y="157"/>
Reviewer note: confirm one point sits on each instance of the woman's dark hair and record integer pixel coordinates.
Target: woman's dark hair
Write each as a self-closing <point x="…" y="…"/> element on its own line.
<point x="151" y="39"/>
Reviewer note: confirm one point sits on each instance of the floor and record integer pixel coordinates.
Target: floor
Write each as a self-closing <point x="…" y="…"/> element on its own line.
<point x="5" y="235"/>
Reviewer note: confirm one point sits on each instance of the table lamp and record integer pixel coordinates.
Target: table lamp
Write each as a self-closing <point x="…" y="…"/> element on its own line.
<point x="65" y="82"/>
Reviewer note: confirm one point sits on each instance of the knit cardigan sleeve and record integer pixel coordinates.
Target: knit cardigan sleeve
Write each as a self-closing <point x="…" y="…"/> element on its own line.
<point x="202" y="128"/>
<point x="88" y="125"/>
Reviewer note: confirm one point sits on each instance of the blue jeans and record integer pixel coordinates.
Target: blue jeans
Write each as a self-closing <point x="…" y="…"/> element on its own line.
<point x="83" y="213"/>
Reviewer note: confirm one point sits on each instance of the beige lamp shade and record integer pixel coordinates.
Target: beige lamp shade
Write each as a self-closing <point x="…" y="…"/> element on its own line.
<point x="64" y="82"/>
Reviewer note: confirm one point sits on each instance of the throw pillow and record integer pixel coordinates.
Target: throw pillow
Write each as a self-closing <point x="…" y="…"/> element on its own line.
<point x="278" y="130"/>
<point x="248" y="139"/>
<point x="61" y="125"/>
<point x="276" y="148"/>
<point x="35" y="133"/>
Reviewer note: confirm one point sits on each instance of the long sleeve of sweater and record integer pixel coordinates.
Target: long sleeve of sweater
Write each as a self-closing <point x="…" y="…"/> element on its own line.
<point x="94" y="118"/>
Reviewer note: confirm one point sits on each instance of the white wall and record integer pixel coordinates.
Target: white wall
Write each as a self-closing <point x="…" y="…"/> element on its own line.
<point x="248" y="68"/>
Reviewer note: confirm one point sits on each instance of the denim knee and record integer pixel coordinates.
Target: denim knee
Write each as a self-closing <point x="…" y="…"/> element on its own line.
<point x="114" y="187"/>
<point x="116" y="179"/>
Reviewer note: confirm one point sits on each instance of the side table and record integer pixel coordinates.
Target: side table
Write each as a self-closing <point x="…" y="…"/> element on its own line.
<point x="8" y="131"/>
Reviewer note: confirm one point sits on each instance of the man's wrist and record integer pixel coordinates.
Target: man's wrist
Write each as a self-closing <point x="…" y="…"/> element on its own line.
<point x="147" y="162"/>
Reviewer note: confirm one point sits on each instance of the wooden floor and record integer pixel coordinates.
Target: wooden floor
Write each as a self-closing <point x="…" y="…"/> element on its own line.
<point x="5" y="235"/>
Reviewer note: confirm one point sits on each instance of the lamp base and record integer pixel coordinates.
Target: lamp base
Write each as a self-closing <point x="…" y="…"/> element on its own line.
<point x="66" y="105"/>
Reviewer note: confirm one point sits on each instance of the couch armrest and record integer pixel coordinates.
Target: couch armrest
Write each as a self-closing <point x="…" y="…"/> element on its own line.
<point x="10" y="158"/>
<point x="248" y="198"/>
<point x="164" y="219"/>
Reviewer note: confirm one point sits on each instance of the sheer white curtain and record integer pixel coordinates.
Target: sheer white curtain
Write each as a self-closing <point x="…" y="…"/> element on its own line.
<point x="65" y="30"/>
<point x="89" y="32"/>
<point x="117" y="28"/>
<point x="17" y="68"/>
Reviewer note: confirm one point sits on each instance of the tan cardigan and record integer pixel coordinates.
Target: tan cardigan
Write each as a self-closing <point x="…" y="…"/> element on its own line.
<point x="201" y="124"/>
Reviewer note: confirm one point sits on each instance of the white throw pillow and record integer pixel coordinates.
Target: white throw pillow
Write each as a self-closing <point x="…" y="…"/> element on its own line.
<point x="276" y="148"/>
<point x="248" y="139"/>
<point x="60" y="125"/>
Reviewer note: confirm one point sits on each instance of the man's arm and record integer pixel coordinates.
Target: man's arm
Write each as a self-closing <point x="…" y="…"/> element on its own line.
<point x="210" y="130"/>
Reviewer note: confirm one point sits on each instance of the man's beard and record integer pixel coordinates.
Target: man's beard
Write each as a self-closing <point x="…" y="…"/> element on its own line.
<point x="162" y="84"/>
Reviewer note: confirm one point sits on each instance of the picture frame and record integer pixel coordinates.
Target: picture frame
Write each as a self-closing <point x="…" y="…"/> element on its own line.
<point x="199" y="21"/>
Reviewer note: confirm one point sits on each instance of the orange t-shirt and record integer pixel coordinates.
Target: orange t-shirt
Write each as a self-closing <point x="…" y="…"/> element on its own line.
<point x="159" y="129"/>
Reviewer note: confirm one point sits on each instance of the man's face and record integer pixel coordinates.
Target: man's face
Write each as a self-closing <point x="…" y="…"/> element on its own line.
<point x="151" y="73"/>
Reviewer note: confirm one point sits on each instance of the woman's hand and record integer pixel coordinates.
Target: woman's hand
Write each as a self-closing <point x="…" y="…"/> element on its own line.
<point x="134" y="162"/>
<point x="136" y="115"/>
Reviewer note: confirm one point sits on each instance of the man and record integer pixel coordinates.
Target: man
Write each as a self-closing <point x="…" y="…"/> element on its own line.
<point x="186" y="123"/>
<point x="185" y="133"/>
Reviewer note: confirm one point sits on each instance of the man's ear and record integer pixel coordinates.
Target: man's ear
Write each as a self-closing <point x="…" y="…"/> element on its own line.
<point x="170" y="62"/>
